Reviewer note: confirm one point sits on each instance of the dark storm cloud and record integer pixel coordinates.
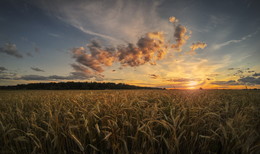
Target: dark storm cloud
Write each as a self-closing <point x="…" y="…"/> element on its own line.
<point x="37" y="69"/>
<point x="11" y="50"/>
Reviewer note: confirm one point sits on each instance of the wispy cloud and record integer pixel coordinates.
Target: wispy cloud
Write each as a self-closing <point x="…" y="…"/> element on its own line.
<point x="37" y="69"/>
<point x="154" y="76"/>
<point x="218" y="46"/>
<point x="250" y="80"/>
<point x="256" y="74"/>
<point x="230" y="82"/>
<point x="183" y="80"/>
<point x="54" y="35"/>
<point x="114" y="20"/>
<point x="2" y="69"/>
<point x="29" y="54"/>
<point x="243" y="80"/>
<point x="11" y="50"/>
<point x="5" y="74"/>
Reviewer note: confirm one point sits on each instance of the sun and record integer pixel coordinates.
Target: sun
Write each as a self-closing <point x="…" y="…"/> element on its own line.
<point x="192" y="84"/>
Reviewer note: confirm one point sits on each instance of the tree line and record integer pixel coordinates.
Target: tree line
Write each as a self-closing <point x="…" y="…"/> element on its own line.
<point x="73" y="86"/>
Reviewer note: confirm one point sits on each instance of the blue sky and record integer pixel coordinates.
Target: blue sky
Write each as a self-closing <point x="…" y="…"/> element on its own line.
<point x="211" y="44"/>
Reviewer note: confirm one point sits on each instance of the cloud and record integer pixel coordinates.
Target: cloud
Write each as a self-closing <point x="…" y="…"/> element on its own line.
<point x="230" y="69"/>
<point x="173" y="19"/>
<point x="33" y="77"/>
<point x="154" y="76"/>
<point x="213" y="75"/>
<point x="218" y="46"/>
<point x="148" y="49"/>
<point x="36" y="50"/>
<point x="37" y="69"/>
<point x="239" y="73"/>
<point x="180" y="36"/>
<point x="77" y="75"/>
<point x="43" y="78"/>
<point x="136" y="31"/>
<point x="241" y="81"/>
<point x="256" y="74"/>
<point x="250" y="80"/>
<point x="230" y="82"/>
<point x="2" y="69"/>
<point x="94" y="56"/>
<point x="7" y="75"/>
<point x="11" y="50"/>
<point x="250" y="71"/>
<point x="197" y="45"/>
<point x="29" y="54"/>
<point x="114" y="20"/>
<point x="54" y="35"/>
<point x="183" y="80"/>
<point x="81" y="72"/>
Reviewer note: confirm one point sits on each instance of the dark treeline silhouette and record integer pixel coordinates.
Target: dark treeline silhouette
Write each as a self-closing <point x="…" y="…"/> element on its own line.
<point x="73" y="86"/>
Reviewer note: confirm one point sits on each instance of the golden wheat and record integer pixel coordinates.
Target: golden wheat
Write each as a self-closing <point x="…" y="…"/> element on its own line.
<point x="130" y="121"/>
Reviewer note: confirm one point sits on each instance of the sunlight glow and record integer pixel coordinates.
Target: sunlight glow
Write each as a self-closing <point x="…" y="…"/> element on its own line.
<point x="192" y="84"/>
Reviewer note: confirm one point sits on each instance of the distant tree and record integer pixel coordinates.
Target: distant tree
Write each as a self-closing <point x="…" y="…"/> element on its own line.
<point x="73" y="86"/>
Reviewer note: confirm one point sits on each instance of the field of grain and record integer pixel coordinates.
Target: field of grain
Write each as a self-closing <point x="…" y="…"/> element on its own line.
<point x="130" y="121"/>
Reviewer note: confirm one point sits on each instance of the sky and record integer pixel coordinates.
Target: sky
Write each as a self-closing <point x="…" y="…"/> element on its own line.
<point x="183" y="44"/>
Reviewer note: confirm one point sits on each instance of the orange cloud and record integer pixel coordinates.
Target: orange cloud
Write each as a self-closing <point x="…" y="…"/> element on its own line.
<point x="197" y="45"/>
<point x="180" y="36"/>
<point x="172" y="19"/>
<point x="148" y="49"/>
<point x="97" y="58"/>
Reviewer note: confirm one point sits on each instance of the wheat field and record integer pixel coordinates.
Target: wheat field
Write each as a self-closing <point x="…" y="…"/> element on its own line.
<point x="130" y="121"/>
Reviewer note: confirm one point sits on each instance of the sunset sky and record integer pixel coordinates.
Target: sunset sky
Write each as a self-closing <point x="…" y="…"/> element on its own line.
<point x="155" y="43"/>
